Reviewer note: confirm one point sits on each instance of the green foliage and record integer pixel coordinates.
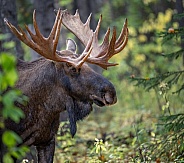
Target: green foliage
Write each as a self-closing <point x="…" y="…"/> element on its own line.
<point x="168" y="144"/>
<point x="24" y="14"/>
<point x="172" y="147"/>
<point x="8" y="96"/>
<point x="9" y="110"/>
<point x="142" y="126"/>
<point x="10" y="139"/>
<point x="9" y="76"/>
<point x="66" y="4"/>
<point x="99" y="148"/>
<point x="170" y="78"/>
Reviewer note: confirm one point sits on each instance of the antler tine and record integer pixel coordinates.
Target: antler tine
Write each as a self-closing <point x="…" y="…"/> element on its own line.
<point x="105" y="43"/>
<point x="21" y="35"/>
<point x="88" y="20"/>
<point x="54" y="29"/>
<point x="111" y="49"/>
<point x="122" y="46"/>
<point x="122" y="35"/>
<point x="98" y="26"/>
<point x="34" y="37"/>
<point x="123" y="38"/>
<point x="76" y="13"/>
<point x="36" y="25"/>
<point x="55" y="33"/>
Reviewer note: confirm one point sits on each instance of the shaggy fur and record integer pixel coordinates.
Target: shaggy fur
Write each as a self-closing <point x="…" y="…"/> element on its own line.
<point x="53" y="88"/>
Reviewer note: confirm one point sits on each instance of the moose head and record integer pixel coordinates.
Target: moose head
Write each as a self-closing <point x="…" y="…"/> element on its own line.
<point x="62" y="80"/>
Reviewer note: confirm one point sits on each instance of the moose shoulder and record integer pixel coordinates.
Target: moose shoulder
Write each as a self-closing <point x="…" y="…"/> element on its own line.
<point x="61" y="80"/>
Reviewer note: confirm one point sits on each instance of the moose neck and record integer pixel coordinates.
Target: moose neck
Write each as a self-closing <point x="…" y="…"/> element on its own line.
<point x="38" y="81"/>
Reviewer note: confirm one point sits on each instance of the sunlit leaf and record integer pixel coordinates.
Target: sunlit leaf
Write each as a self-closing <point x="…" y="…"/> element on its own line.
<point x="7" y="61"/>
<point x="7" y="158"/>
<point x="18" y="152"/>
<point x="10" y="138"/>
<point x="4" y="36"/>
<point x="9" y="45"/>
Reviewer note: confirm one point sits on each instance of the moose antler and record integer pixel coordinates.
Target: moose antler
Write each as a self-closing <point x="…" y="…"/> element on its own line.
<point x="100" y="53"/>
<point x="47" y="46"/>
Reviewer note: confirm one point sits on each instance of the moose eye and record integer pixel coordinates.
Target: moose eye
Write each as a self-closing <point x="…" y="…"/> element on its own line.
<point x="73" y="69"/>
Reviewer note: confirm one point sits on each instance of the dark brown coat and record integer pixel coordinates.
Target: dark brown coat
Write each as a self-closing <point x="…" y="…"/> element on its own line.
<point x="52" y="88"/>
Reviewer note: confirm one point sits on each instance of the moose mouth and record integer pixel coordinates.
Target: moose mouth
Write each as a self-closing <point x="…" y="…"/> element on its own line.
<point x="102" y="101"/>
<point x="98" y="102"/>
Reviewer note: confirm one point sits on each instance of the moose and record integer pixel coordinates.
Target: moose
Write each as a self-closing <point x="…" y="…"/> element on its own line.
<point x="62" y="80"/>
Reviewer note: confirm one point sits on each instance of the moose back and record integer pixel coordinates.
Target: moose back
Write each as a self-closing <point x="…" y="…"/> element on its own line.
<point x="62" y="80"/>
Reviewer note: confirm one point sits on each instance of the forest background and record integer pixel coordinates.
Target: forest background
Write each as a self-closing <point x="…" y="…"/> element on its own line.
<point x="138" y="128"/>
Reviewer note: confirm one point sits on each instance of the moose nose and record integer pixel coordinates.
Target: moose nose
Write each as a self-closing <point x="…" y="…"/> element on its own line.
<point x="110" y="99"/>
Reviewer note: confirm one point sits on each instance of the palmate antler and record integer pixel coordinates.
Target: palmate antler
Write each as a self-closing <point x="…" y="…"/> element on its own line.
<point x="93" y="52"/>
<point x="100" y="53"/>
<point x="47" y="46"/>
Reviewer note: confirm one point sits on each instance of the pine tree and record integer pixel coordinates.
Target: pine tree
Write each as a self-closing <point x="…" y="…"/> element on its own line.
<point x="168" y="145"/>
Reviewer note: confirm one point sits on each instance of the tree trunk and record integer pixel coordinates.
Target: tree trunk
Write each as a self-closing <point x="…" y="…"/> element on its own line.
<point x="45" y="15"/>
<point x="45" y="18"/>
<point x="8" y="10"/>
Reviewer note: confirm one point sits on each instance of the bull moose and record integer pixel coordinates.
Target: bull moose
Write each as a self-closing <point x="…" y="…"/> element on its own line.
<point x="62" y="80"/>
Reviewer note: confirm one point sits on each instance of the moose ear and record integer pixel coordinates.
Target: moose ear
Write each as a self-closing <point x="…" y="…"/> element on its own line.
<point x="71" y="45"/>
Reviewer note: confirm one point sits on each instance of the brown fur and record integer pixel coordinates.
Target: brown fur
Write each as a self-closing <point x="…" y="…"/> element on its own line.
<point x="52" y="88"/>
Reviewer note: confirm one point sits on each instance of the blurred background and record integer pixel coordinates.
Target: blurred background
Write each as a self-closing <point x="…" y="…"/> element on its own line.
<point x="133" y="129"/>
